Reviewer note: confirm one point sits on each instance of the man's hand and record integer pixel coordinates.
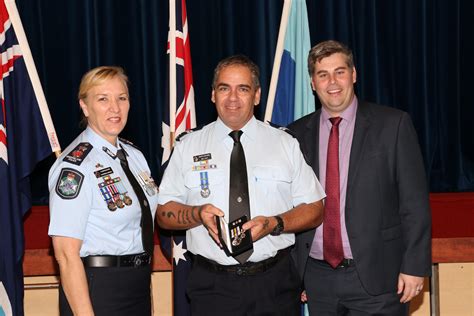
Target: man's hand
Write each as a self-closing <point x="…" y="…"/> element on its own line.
<point x="410" y="286"/>
<point x="260" y="226"/>
<point x="207" y="214"/>
<point x="304" y="298"/>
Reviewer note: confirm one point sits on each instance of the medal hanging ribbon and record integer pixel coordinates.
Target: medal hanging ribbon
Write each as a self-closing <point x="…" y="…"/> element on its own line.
<point x="108" y="196"/>
<point x="123" y="191"/>
<point x="205" y="192"/>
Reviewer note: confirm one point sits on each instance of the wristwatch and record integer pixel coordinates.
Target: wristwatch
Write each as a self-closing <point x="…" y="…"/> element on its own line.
<point x="279" y="227"/>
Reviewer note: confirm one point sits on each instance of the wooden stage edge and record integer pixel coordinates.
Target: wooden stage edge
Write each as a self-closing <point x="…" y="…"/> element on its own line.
<point x="444" y="250"/>
<point x="450" y="250"/>
<point x="452" y="229"/>
<point x="38" y="262"/>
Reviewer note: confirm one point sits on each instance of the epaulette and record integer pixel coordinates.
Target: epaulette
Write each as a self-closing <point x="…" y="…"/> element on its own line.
<point x="189" y="131"/>
<point x="282" y="128"/>
<point x="290" y="132"/>
<point x="78" y="154"/>
<point x="126" y="141"/>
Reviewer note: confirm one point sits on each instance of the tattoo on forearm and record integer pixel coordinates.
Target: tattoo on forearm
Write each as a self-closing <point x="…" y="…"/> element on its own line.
<point x="266" y="223"/>
<point x="167" y="214"/>
<point x="184" y="217"/>
<point x="187" y="216"/>
<point x="192" y="214"/>
<point x="200" y="215"/>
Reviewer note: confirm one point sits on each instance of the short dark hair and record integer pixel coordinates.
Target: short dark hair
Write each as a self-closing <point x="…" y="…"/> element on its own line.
<point x="238" y="60"/>
<point x="326" y="49"/>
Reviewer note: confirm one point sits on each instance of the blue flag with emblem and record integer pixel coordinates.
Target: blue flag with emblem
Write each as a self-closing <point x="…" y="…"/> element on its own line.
<point x="290" y="94"/>
<point x="26" y="137"/>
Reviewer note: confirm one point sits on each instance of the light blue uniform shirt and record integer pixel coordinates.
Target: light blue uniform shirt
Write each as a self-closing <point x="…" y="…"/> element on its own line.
<point x="278" y="179"/>
<point x="85" y="183"/>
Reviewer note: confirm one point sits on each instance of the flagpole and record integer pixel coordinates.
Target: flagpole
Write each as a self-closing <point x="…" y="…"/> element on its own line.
<point x="277" y="61"/>
<point x="33" y="74"/>
<point x="172" y="69"/>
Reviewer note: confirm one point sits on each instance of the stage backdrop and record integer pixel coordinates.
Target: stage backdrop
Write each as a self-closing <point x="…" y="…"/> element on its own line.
<point x="412" y="55"/>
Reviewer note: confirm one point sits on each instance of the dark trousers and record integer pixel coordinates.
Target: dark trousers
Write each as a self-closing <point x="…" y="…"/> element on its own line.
<point x="116" y="291"/>
<point x="340" y="292"/>
<point x="273" y="292"/>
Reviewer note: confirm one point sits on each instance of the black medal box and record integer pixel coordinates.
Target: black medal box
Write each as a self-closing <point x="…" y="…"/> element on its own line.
<point x="233" y="238"/>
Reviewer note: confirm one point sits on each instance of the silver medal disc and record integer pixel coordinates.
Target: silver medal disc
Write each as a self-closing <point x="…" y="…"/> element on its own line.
<point x="205" y="192"/>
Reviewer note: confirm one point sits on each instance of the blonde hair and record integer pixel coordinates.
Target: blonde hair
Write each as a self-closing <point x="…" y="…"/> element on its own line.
<point x="99" y="75"/>
<point x="95" y="77"/>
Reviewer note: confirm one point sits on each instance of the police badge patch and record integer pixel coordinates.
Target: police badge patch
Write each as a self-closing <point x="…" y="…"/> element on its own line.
<point x="69" y="183"/>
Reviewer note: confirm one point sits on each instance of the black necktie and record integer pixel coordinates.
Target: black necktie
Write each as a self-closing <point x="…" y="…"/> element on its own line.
<point x="147" y="220"/>
<point x="239" y="204"/>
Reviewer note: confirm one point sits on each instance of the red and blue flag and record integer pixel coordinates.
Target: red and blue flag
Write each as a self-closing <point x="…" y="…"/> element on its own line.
<point x="24" y="141"/>
<point x="179" y="117"/>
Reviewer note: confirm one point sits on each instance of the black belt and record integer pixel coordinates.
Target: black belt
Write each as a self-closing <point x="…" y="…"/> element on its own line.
<point x="345" y="263"/>
<point x="248" y="268"/>
<point x="106" y="261"/>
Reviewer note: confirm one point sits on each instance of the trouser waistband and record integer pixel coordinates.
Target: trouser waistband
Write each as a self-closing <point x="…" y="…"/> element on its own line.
<point x="345" y="263"/>
<point x="106" y="261"/>
<point x="248" y="268"/>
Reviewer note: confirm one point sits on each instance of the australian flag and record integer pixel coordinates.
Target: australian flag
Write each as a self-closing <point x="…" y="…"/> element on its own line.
<point x="24" y="141"/>
<point x="179" y="117"/>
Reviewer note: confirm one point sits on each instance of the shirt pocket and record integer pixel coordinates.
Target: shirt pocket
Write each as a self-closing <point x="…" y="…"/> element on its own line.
<point x="273" y="185"/>
<point x="196" y="184"/>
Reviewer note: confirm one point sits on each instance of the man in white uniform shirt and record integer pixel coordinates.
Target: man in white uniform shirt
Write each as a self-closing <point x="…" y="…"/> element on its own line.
<point x="284" y="198"/>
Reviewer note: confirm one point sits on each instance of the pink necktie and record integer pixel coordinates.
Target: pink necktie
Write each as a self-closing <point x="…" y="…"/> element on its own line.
<point x="332" y="240"/>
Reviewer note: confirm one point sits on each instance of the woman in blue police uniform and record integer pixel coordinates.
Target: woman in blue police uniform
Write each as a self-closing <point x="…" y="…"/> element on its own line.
<point x="102" y="204"/>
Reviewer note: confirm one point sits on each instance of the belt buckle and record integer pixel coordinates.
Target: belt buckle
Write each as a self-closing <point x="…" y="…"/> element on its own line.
<point x="241" y="271"/>
<point x="346" y="263"/>
<point x="140" y="260"/>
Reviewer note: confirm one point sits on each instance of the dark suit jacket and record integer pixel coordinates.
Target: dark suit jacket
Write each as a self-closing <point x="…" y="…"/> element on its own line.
<point x="387" y="210"/>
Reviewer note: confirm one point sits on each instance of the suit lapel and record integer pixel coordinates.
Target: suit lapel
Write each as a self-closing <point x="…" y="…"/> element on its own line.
<point x="311" y="141"/>
<point x="358" y="143"/>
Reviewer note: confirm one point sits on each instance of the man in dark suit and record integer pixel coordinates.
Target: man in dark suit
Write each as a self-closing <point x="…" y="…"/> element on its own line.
<point x="373" y="250"/>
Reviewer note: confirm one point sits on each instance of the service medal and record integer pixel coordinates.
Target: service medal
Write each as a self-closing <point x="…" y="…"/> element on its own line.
<point x="122" y="191"/>
<point x="205" y="192"/>
<point x="148" y="183"/>
<point x="107" y="196"/>
<point x="127" y="200"/>
<point x="111" y="206"/>
<point x="120" y="203"/>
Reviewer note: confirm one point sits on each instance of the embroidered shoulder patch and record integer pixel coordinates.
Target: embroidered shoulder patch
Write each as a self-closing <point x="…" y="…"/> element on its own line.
<point x="69" y="183"/>
<point x="79" y="153"/>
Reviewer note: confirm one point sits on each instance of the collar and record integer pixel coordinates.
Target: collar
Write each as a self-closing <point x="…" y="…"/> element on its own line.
<point x="98" y="142"/>
<point x="348" y="115"/>
<point x="249" y="129"/>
